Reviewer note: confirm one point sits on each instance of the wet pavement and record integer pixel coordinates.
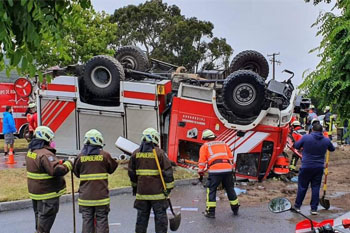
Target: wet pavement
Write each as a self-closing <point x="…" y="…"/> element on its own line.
<point x="191" y="199"/>
<point x="19" y="159"/>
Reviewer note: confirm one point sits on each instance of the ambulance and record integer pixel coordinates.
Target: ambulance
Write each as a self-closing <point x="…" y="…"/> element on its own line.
<point x="122" y="95"/>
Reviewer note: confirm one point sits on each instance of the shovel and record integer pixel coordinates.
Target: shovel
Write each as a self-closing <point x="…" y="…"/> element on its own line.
<point x="73" y="202"/>
<point x="323" y="201"/>
<point x="174" y="221"/>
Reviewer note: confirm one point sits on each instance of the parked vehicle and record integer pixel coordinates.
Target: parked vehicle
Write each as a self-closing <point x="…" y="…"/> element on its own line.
<point x="123" y="96"/>
<point x="16" y="95"/>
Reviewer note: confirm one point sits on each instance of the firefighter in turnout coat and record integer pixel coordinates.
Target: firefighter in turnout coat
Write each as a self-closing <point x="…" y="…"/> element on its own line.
<point x="217" y="158"/>
<point x="147" y="185"/>
<point x="45" y="178"/>
<point x="92" y="166"/>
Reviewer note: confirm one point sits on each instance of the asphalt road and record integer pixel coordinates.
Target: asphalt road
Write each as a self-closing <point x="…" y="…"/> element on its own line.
<point x="191" y="200"/>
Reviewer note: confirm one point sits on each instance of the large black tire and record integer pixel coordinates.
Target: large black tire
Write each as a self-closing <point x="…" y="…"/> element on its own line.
<point x="102" y="75"/>
<point x="132" y="57"/>
<point x="250" y="60"/>
<point x="244" y="93"/>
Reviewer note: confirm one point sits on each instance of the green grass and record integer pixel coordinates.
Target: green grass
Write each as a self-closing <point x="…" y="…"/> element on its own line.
<point x="20" y="144"/>
<point x="13" y="182"/>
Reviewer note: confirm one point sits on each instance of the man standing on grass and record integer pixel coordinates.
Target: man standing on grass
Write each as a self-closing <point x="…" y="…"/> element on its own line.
<point x="8" y="128"/>
<point x="314" y="147"/>
<point x="92" y="166"/>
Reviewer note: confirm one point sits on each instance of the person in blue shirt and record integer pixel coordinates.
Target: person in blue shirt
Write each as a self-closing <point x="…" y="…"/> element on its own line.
<point x="314" y="147"/>
<point x="8" y="129"/>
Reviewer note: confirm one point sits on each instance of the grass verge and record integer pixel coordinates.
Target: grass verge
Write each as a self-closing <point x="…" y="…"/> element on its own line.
<point x="20" y="144"/>
<point x="13" y="182"/>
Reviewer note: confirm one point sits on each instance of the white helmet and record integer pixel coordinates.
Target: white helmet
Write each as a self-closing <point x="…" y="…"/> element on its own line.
<point x="44" y="133"/>
<point x="151" y="135"/>
<point x="315" y="120"/>
<point x="327" y="108"/>
<point x="208" y="134"/>
<point x="296" y="123"/>
<point x="32" y="105"/>
<point x="93" y="137"/>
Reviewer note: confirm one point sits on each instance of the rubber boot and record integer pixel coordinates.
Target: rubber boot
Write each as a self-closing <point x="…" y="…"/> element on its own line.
<point x="210" y="212"/>
<point x="235" y="209"/>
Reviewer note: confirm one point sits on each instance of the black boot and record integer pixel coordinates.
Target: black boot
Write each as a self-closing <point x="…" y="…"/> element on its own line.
<point x="235" y="209"/>
<point x="210" y="212"/>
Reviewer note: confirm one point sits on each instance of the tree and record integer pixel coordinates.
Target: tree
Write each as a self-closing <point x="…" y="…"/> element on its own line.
<point x="168" y="35"/>
<point x="330" y="82"/>
<point x="319" y="1"/>
<point x="84" y="37"/>
<point x="26" y="24"/>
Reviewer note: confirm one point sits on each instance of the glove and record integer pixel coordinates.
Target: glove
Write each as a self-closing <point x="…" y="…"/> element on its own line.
<point x="167" y="192"/>
<point x="201" y="173"/>
<point x="71" y="158"/>
<point x="134" y="190"/>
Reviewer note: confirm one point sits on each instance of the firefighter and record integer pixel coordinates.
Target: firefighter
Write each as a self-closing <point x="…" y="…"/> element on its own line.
<point x="147" y="185"/>
<point x="297" y="133"/>
<point x="92" y="166"/>
<point x="217" y="158"/>
<point x="32" y="119"/>
<point x="327" y="119"/>
<point x="45" y="178"/>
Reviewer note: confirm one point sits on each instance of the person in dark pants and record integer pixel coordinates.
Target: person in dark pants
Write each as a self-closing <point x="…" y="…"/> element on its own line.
<point x="147" y="185"/>
<point x="92" y="166"/>
<point x="216" y="157"/>
<point x="315" y="146"/>
<point x="45" y="178"/>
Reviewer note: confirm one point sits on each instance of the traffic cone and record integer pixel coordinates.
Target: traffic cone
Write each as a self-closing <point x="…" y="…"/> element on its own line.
<point x="11" y="159"/>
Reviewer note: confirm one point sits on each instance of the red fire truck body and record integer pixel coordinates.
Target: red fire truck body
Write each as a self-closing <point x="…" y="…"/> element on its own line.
<point x="180" y="119"/>
<point x="9" y="97"/>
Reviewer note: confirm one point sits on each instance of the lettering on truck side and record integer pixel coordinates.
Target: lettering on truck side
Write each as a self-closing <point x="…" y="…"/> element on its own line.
<point x="91" y="158"/>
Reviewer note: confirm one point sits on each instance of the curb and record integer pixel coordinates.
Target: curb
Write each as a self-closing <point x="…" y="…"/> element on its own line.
<point x="27" y="203"/>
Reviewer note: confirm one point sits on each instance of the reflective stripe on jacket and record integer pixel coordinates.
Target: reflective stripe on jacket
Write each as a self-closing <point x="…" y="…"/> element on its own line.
<point x="215" y="151"/>
<point x="45" y="174"/>
<point x="93" y="172"/>
<point x="144" y="174"/>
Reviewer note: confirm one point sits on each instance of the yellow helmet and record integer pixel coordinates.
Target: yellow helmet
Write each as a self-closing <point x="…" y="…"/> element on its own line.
<point x="151" y="135"/>
<point x="208" y="134"/>
<point x="44" y="133"/>
<point x="93" y="137"/>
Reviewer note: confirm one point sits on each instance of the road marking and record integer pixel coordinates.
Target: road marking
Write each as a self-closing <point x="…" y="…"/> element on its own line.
<point x="115" y="224"/>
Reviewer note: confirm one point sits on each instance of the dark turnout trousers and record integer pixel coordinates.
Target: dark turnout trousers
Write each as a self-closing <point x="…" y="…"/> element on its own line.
<point x="45" y="214"/>
<point x="90" y="213"/>
<point x="214" y="180"/>
<point x="143" y="212"/>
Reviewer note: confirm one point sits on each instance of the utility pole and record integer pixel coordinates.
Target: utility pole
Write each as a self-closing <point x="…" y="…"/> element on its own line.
<point x="274" y="61"/>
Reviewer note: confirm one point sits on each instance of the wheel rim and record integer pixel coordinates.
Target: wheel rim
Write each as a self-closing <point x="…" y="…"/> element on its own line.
<point x="251" y="66"/>
<point x="244" y="94"/>
<point x="128" y="62"/>
<point x="101" y="77"/>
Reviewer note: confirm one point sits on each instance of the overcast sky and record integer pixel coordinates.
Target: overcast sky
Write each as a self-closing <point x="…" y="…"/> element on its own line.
<point x="264" y="25"/>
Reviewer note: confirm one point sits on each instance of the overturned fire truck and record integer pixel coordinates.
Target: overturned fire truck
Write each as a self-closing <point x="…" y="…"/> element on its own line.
<point x="122" y="96"/>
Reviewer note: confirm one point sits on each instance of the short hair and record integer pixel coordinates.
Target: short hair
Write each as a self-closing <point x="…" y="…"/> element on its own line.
<point x="317" y="127"/>
<point x="8" y="108"/>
